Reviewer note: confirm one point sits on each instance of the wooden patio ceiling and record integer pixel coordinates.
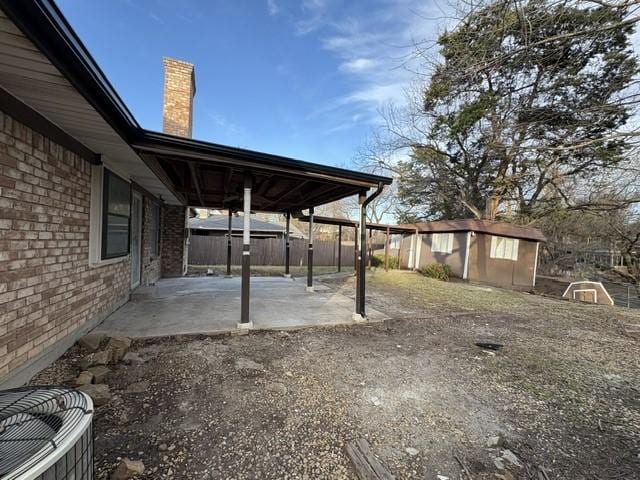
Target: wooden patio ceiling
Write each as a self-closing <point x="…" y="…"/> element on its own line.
<point x="202" y="174"/>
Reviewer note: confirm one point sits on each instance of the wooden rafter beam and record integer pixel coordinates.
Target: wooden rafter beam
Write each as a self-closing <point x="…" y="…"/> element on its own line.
<point x="196" y="182"/>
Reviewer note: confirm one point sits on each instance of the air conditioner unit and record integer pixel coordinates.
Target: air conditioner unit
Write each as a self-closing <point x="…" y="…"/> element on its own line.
<point x="45" y="434"/>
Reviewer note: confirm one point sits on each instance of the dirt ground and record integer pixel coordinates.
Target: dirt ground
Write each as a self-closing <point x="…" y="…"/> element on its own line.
<point x="563" y="394"/>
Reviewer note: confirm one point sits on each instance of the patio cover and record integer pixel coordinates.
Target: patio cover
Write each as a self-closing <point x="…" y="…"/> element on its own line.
<point x="203" y="174"/>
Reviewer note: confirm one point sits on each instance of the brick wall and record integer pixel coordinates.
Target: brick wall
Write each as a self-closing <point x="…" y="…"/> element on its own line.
<point x="48" y="292"/>
<point x="179" y="90"/>
<point x="151" y="264"/>
<point x="174" y="240"/>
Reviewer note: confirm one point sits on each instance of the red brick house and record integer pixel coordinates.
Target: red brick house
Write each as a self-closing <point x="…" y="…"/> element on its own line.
<point x="93" y="205"/>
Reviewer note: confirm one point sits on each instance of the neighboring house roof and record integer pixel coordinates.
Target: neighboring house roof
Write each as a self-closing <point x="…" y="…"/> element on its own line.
<point x="221" y="222"/>
<point x="482" y="226"/>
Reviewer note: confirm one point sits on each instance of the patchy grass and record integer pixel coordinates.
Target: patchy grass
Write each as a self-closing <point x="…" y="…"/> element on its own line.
<point x="462" y="296"/>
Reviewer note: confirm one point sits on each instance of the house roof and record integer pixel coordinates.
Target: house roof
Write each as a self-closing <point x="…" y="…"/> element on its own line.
<point x="482" y="226"/>
<point x="221" y="222"/>
<point x="191" y="172"/>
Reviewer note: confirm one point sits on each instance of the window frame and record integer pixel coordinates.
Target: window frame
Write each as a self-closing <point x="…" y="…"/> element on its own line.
<point x="156" y="212"/>
<point x="448" y="243"/>
<point x="104" y="212"/>
<point x="495" y="254"/>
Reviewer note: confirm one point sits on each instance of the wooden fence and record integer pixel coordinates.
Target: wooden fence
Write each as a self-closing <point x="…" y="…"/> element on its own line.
<point x="212" y="250"/>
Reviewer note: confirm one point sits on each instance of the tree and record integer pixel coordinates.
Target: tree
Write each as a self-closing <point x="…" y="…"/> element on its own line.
<point x="528" y="100"/>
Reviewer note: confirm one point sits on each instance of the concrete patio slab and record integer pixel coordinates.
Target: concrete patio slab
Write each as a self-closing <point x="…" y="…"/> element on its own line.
<point x="209" y="305"/>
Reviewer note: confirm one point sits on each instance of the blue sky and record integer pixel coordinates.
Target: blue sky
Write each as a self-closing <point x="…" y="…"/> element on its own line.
<point x="303" y="78"/>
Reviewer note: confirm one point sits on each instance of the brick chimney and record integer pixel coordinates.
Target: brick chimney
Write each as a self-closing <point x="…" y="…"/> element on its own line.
<point x="179" y="90"/>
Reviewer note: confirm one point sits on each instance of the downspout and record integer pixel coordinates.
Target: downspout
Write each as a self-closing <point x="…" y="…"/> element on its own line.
<point x="360" y="282"/>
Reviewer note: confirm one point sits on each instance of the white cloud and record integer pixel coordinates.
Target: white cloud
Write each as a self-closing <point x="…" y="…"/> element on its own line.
<point x="358" y="65"/>
<point x="374" y="46"/>
<point x="273" y="7"/>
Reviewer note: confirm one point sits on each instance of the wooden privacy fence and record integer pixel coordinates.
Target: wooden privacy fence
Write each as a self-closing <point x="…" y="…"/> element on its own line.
<point x="212" y="250"/>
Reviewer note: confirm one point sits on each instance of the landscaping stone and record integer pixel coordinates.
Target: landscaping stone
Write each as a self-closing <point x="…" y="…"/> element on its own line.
<point x="84" y="378"/>
<point x="99" y="373"/>
<point x="412" y="451"/>
<point x="99" y="393"/>
<point x="92" y="341"/>
<point x="510" y="457"/>
<point x="128" y="469"/>
<point x="98" y="358"/>
<point x="133" y="358"/>
<point x="119" y="347"/>
<point x="495" y="441"/>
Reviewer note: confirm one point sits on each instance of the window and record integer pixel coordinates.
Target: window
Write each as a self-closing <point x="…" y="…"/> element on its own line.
<point x="503" y="247"/>
<point x="116" y="209"/>
<point x="155" y="230"/>
<point x="442" y="243"/>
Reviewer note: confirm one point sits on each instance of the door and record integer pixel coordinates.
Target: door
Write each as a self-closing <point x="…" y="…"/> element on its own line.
<point x="136" y="238"/>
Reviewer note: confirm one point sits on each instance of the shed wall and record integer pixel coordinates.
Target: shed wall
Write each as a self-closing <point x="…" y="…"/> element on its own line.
<point x="455" y="259"/>
<point x="508" y="273"/>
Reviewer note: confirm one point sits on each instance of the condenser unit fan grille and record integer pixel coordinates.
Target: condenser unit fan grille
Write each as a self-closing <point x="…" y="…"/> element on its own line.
<point x="45" y="433"/>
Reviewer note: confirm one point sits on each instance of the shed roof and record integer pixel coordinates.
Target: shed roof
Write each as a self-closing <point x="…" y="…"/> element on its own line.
<point x="482" y="226"/>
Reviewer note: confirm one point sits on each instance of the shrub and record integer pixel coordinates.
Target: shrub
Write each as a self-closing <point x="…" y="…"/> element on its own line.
<point x="378" y="261"/>
<point x="439" y="271"/>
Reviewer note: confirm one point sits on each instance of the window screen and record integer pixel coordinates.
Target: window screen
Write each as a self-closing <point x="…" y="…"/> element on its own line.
<point x="503" y="247"/>
<point x="442" y="243"/>
<point x="116" y="209"/>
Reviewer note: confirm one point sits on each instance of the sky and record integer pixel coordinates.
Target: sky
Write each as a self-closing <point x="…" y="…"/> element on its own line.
<point x="301" y="78"/>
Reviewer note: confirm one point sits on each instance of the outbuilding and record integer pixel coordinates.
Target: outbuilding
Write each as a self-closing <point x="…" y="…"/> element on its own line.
<point x="497" y="253"/>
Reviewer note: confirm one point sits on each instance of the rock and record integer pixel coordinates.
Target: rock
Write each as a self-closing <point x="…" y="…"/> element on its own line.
<point x="99" y="373"/>
<point x="85" y="378"/>
<point x="442" y="477"/>
<point x="162" y="447"/>
<point x="244" y="363"/>
<point x="498" y="463"/>
<point x="127" y="469"/>
<point x="119" y="346"/>
<point x="510" y="457"/>
<point x="133" y="358"/>
<point x="495" y="441"/>
<point x="98" y="358"/>
<point x="99" y="393"/>
<point x="92" y="341"/>
<point x="412" y="451"/>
